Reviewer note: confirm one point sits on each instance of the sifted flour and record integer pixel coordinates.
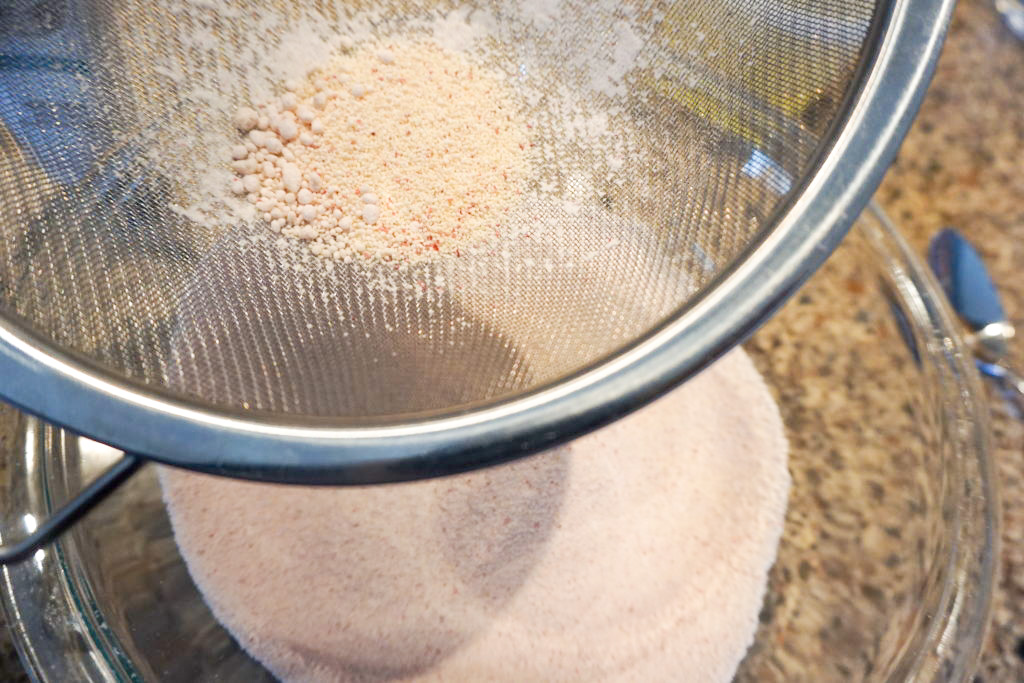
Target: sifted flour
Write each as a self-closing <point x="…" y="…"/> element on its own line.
<point x="637" y="553"/>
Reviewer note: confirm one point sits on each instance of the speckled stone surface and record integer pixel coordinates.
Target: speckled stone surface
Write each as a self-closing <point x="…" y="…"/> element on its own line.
<point x="961" y="165"/>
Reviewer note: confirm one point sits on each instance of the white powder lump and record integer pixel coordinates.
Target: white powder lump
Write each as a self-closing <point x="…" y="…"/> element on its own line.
<point x="396" y="152"/>
<point x="637" y="553"/>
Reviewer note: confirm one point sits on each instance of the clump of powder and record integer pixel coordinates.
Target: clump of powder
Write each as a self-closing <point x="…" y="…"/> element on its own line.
<point x="391" y="151"/>
<point x="637" y="553"/>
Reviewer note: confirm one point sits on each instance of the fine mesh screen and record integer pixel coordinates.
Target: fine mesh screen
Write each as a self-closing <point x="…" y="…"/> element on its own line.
<point x="108" y="116"/>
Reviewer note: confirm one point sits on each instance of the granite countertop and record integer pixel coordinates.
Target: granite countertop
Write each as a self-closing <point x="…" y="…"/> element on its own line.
<point x="960" y="166"/>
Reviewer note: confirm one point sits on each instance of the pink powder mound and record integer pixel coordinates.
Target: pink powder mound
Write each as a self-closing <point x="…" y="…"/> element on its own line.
<point x="637" y="553"/>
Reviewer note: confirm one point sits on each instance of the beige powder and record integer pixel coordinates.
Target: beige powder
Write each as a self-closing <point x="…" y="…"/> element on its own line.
<point x="392" y="151"/>
<point x="637" y="553"/>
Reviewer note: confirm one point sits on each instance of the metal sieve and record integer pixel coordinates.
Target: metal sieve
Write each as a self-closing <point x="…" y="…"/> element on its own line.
<point x="756" y="132"/>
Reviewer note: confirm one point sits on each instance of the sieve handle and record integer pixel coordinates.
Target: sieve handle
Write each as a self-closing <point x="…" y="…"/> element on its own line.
<point x="72" y="511"/>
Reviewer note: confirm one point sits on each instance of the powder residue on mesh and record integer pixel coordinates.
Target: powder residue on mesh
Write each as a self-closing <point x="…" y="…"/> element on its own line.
<point x="637" y="553"/>
<point x="393" y="151"/>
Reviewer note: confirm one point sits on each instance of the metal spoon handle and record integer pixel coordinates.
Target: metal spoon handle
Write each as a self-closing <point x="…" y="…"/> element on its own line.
<point x="1010" y="383"/>
<point x="965" y="279"/>
<point x="1012" y="12"/>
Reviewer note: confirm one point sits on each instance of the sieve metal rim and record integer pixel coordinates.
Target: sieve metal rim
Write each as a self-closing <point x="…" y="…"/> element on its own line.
<point x="75" y="394"/>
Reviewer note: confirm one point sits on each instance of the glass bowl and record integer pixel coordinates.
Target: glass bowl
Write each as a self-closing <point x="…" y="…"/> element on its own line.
<point x="885" y="570"/>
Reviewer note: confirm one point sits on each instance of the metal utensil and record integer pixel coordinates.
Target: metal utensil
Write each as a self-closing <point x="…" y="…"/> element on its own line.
<point x="974" y="296"/>
<point x="1012" y="12"/>
<point x="754" y="132"/>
